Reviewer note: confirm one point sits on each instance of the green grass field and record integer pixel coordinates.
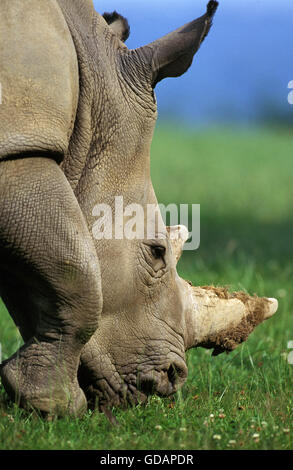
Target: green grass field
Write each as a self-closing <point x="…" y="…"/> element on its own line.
<point x="243" y="181"/>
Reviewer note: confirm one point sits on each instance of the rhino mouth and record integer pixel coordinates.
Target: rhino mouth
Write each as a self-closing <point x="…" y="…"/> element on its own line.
<point x="135" y="388"/>
<point x="164" y="382"/>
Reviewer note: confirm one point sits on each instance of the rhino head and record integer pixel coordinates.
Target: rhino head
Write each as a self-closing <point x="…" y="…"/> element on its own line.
<point x="150" y="316"/>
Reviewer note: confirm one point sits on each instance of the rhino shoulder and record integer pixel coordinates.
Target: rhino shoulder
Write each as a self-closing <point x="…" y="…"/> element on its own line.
<point x="39" y="79"/>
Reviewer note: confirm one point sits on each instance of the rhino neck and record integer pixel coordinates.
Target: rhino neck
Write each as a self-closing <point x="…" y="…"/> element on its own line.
<point x="109" y="149"/>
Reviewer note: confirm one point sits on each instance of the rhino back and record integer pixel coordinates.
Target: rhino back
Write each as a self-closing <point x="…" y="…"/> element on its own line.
<point x="39" y="79"/>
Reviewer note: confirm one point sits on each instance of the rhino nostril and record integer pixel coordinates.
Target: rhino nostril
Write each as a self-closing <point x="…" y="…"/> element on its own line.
<point x="176" y="373"/>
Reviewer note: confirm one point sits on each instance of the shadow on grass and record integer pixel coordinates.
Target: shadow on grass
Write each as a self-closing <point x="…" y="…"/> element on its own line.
<point x="263" y="241"/>
<point x="242" y="253"/>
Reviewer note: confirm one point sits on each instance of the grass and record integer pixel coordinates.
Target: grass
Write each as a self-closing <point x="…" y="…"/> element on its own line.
<point x="243" y="181"/>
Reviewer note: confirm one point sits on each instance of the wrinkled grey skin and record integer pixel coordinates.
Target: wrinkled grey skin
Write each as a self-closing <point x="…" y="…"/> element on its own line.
<point x="110" y="319"/>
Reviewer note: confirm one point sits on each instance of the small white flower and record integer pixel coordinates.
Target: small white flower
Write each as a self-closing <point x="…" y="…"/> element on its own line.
<point x="217" y="437"/>
<point x="255" y="436"/>
<point x="158" y="427"/>
<point x="183" y="429"/>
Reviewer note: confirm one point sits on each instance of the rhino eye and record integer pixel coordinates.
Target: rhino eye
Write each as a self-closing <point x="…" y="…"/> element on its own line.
<point x="158" y="252"/>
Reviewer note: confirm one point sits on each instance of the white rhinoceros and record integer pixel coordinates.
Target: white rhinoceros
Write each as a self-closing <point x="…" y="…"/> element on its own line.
<point x="105" y="319"/>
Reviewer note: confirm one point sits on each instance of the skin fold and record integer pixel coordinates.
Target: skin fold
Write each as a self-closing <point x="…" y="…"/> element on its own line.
<point x="106" y="321"/>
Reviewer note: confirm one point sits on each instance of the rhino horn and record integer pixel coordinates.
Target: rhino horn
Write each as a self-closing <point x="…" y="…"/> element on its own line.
<point x="178" y="235"/>
<point x="221" y="321"/>
<point x="172" y="55"/>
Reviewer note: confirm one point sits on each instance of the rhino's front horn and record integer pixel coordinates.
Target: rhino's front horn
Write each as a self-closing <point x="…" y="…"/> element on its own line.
<point x="273" y="303"/>
<point x="219" y="320"/>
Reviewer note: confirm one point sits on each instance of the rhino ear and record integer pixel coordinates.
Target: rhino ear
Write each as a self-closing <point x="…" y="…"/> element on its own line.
<point x="172" y="55"/>
<point x="118" y="24"/>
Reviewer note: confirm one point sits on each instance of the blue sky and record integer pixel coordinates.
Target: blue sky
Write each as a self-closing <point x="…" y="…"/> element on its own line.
<point x="243" y="67"/>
